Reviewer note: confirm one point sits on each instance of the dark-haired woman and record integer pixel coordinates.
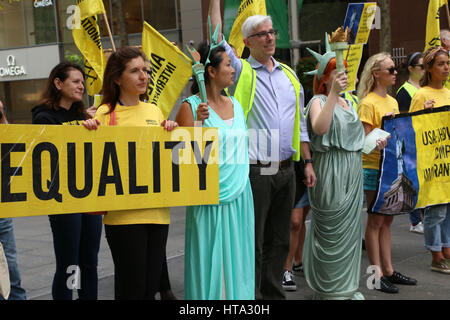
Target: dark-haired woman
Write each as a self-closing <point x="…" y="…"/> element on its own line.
<point x="220" y="240"/>
<point x="414" y="67"/>
<point x="137" y="238"/>
<point x="76" y="237"/>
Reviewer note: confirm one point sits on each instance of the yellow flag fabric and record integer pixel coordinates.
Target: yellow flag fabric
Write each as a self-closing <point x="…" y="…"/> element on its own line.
<point x="89" y="8"/>
<point x="87" y="39"/>
<point x="432" y="37"/>
<point x="246" y="9"/>
<point x="170" y="69"/>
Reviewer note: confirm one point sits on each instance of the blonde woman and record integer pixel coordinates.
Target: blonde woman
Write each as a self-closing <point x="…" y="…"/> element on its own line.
<point x="379" y="73"/>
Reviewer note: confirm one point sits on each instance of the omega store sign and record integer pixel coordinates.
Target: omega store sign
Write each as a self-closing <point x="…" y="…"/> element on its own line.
<point x="28" y="63"/>
<point x="23" y="75"/>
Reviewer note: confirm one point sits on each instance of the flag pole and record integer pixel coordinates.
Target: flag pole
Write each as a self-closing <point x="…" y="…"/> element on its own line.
<point x="448" y="14"/>
<point x="109" y="32"/>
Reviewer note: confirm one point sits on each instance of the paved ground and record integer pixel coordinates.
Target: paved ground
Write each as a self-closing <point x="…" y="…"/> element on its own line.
<point x="37" y="263"/>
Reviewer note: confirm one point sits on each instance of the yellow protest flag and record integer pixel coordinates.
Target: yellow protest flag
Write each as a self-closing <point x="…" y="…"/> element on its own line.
<point x="432" y="37"/>
<point x="170" y="69"/>
<point x="247" y="8"/>
<point x="89" y="8"/>
<point x="87" y="39"/>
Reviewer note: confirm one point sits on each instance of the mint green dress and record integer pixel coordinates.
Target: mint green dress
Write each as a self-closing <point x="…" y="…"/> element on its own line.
<point x="219" y="260"/>
<point x="332" y="249"/>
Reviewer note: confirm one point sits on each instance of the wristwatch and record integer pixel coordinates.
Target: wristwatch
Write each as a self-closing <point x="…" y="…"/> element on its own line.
<point x="305" y="161"/>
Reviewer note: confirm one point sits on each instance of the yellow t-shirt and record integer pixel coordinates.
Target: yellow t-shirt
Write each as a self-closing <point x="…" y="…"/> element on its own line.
<point x="144" y="114"/>
<point x="440" y="96"/>
<point x="371" y="110"/>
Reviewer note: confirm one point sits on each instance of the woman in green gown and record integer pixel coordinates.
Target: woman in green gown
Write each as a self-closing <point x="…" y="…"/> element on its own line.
<point x="220" y="239"/>
<point x="332" y="253"/>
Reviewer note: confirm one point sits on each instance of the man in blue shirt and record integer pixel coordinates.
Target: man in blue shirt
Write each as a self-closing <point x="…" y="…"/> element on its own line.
<point x="271" y="120"/>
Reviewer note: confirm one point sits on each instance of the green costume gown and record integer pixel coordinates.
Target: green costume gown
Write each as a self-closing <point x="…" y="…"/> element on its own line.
<point x="332" y="249"/>
<point x="220" y="239"/>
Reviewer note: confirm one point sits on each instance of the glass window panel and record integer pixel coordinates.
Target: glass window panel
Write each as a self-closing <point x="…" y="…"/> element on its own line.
<point x="12" y="32"/>
<point x="22" y="96"/>
<point x="161" y="15"/>
<point x="40" y="22"/>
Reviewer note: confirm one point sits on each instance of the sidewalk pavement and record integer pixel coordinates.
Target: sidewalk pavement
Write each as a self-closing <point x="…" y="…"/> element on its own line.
<point x="37" y="263"/>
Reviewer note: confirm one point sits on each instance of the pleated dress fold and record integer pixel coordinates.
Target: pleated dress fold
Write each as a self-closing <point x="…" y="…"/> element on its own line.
<point x="332" y="249"/>
<point x="220" y="239"/>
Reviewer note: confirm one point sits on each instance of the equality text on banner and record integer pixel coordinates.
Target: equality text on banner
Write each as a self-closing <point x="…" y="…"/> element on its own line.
<point x="49" y="169"/>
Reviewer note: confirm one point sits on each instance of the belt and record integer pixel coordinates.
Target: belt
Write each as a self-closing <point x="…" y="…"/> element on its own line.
<point x="283" y="164"/>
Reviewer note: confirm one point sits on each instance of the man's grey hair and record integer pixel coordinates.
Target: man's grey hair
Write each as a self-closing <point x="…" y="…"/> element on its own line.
<point x="253" y="22"/>
<point x="444" y="33"/>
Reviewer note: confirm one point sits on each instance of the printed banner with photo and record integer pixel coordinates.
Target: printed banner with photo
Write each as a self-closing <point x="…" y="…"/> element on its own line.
<point x="415" y="165"/>
<point x="68" y="169"/>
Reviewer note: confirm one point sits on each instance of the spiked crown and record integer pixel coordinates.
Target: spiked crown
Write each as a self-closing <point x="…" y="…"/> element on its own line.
<point x="321" y="59"/>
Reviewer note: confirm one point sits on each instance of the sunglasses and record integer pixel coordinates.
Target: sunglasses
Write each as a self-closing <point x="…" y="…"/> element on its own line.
<point x="264" y="34"/>
<point x="391" y="70"/>
<point x="419" y="65"/>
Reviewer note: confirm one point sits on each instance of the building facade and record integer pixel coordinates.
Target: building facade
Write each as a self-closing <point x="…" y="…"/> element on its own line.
<point x="34" y="37"/>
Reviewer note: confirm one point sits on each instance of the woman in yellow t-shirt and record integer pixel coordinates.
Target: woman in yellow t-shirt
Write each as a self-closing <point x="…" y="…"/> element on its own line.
<point x="379" y="73"/>
<point x="137" y="238"/>
<point x="433" y="94"/>
<point x="436" y="220"/>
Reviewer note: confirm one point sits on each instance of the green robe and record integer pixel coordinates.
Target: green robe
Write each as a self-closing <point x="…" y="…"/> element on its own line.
<point x="332" y="249"/>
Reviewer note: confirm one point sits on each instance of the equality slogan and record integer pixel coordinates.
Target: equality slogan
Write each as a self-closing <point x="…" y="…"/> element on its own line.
<point x="415" y="165"/>
<point x="68" y="169"/>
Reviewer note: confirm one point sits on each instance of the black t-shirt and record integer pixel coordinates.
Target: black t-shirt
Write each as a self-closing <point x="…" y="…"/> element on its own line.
<point x="404" y="100"/>
<point x="42" y="114"/>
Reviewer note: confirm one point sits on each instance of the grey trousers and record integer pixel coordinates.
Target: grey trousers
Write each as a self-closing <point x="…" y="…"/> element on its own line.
<point x="273" y="198"/>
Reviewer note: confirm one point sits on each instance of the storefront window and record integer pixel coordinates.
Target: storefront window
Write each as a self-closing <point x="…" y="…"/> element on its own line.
<point x="26" y="23"/>
<point x="12" y="25"/>
<point x="20" y="97"/>
<point x="162" y="15"/>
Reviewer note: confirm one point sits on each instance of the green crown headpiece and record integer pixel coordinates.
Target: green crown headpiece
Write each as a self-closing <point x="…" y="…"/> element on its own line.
<point x="322" y="59"/>
<point x="213" y="39"/>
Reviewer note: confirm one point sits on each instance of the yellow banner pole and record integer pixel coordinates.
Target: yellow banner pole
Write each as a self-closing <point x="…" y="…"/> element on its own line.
<point x="109" y="32"/>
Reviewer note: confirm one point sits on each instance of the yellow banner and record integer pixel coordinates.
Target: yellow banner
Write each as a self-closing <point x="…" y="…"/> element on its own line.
<point x="353" y="60"/>
<point x="432" y="37"/>
<point x="246" y="9"/>
<point x="89" y="8"/>
<point x="170" y="69"/>
<point x="67" y="169"/>
<point x="415" y="165"/>
<point x="87" y="39"/>
<point x="433" y="153"/>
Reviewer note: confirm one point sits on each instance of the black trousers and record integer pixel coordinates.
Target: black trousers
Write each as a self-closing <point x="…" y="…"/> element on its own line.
<point x="76" y="241"/>
<point x="273" y="198"/>
<point x="138" y="253"/>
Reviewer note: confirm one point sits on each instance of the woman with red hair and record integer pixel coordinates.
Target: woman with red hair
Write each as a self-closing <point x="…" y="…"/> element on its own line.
<point x="332" y="253"/>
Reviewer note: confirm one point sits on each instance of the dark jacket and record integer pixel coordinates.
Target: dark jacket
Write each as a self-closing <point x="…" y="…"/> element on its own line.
<point x="42" y="114"/>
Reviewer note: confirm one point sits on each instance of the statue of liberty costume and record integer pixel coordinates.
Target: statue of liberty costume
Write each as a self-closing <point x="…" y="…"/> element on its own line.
<point x="220" y="239"/>
<point x="332" y="249"/>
